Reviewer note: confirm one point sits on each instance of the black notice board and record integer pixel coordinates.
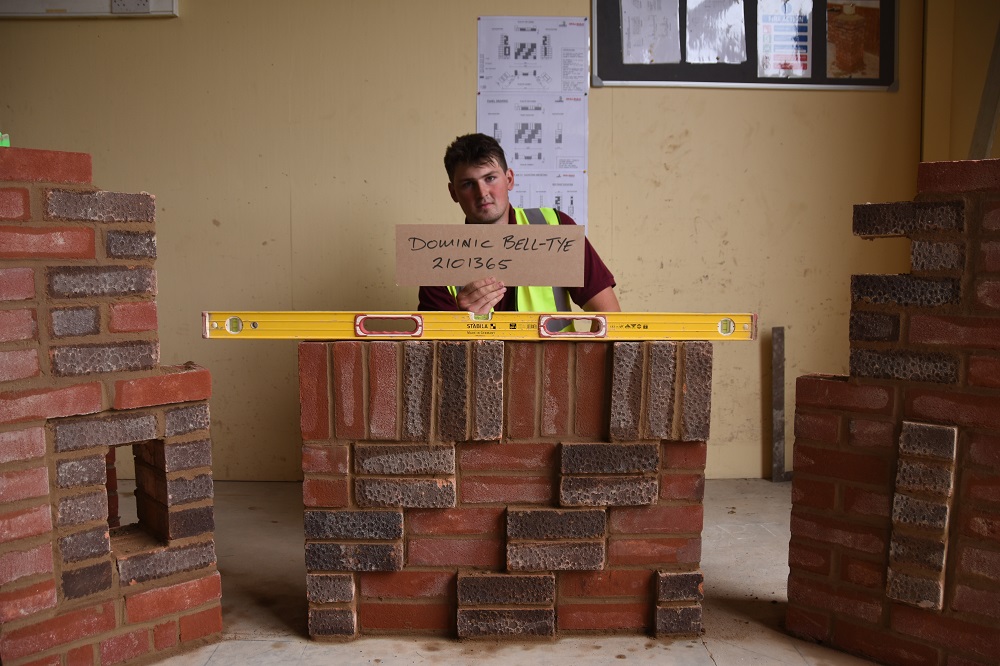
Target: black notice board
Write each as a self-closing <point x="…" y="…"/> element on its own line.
<point x="881" y="21"/>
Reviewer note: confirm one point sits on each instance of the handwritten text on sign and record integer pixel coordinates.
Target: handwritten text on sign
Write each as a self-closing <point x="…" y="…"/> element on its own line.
<point x="457" y="254"/>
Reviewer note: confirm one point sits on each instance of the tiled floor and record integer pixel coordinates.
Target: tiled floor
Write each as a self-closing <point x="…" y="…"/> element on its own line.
<point x="745" y="550"/>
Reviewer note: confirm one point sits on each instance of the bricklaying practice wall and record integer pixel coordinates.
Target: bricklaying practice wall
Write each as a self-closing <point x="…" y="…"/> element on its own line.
<point x="504" y="489"/>
<point x="81" y="382"/>
<point x="895" y="549"/>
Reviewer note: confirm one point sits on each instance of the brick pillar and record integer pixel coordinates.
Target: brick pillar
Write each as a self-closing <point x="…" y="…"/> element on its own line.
<point x="79" y="378"/>
<point x="503" y="489"/>
<point x="894" y="549"/>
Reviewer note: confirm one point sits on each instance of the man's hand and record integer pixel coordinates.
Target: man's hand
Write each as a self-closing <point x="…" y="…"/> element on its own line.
<point x="480" y="296"/>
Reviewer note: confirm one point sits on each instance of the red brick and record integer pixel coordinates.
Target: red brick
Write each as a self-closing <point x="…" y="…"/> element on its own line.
<point x="318" y="459"/>
<point x="949" y="632"/>
<point x="157" y="603"/>
<point x="816" y="560"/>
<point x="807" y="623"/>
<point x="200" y="624"/>
<point x="988" y="294"/>
<point x="862" y="572"/>
<point x="15" y="204"/>
<point x="132" y="317"/>
<point x="682" y="487"/>
<point x="876" y="434"/>
<point x="124" y="647"/>
<point x="983" y="450"/>
<point x="488" y="553"/>
<point x="882" y="646"/>
<point x="18" y="364"/>
<point x="838" y="532"/>
<point x="684" y="455"/>
<point x="654" y="552"/>
<point x="990" y="253"/>
<point x="981" y="486"/>
<point x="432" y="617"/>
<point x="48" y="166"/>
<point x="959" y="176"/>
<point x="383" y="389"/>
<point x="26" y="601"/>
<point x="555" y="388"/>
<point x="608" y="583"/>
<point x="81" y="656"/>
<point x="975" y="411"/>
<point x="858" y="501"/>
<point x="455" y="521"/>
<point x="17" y="284"/>
<point x="348" y="390"/>
<point x="656" y="519"/>
<point x="520" y="390"/>
<point x="50" y="403"/>
<point x="813" y="493"/>
<point x="18" y="325"/>
<point x="505" y="456"/>
<point x="604" y="617"/>
<point x="21" y="445"/>
<point x="18" y="564"/>
<point x="177" y="383"/>
<point x="818" y="427"/>
<point x="978" y="601"/>
<point x="24" y="483"/>
<point x="46" y="243"/>
<point x="981" y="524"/>
<point x="856" y="467"/>
<point x="831" y="392"/>
<point x="62" y="629"/>
<point x="25" y="523"/>
<point x="407" y="584"/>
<point x="506" y="489"/>
<point x="165" y="635"/>
<point x="976" y="332"/>
<point x="839" y="600"/>
<point x="592" y="400"/>
<point x="325" y="492"/>
<point x="984" y="371"/>
<point x="314" y="390"/>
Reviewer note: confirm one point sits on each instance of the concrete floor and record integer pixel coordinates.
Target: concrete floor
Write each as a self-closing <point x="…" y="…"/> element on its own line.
<point x="744" y="559"/>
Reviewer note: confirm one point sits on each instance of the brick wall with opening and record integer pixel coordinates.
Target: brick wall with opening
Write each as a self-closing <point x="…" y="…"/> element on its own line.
<point x="491" y="489"/>
<point x="895" y="549"/>
<point x="80" y="385"/>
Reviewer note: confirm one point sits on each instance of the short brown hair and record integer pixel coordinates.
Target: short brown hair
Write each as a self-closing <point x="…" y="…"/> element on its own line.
<point x="474" y="149"/>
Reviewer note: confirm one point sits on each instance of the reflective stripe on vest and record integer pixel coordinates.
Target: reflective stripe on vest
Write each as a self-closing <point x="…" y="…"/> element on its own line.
<point x="536" y="299"/>
<point x="540" y="299"/>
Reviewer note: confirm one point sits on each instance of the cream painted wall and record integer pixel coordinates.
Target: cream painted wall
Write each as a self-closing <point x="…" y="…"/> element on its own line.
<point x="285" y="140"/>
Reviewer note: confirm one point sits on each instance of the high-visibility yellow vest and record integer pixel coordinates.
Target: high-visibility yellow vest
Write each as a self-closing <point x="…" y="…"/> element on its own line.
<point x="536" y="299"/>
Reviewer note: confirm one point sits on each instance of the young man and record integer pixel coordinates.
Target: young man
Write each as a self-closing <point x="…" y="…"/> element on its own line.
<point x="479" y="182"/>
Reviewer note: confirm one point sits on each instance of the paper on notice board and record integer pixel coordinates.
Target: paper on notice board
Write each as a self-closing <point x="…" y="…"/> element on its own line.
<point x="784" y="38"/>
<point x="716" y="31"/>
<point x="650" y="32"/>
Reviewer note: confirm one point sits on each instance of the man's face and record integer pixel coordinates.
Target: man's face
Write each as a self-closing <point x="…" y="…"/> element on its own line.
<point x="481" y="190"/>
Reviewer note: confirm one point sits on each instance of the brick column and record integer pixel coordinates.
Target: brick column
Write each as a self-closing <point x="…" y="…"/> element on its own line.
<point x="895" y="552"/>
<point x="80" y="385"/>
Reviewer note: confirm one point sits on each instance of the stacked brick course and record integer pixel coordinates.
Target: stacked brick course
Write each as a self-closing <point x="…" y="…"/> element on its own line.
<point x="895" y="550"/>
<point x="503" y="489"/>
<point x="80" y="381"/>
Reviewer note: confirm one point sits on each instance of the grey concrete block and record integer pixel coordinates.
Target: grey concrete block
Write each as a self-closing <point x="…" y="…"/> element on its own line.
<point x="418" y="377"/>
<point x="506" y="589"/>
<point x="353" y="524"/>
<point x="904" y="366"/>
<point x="487" y="390"/>
<point x="660" y="389"/>
<point x="626" y="390"/>
<point x="515" y="623"/>
<point x="405" y="493"/>
<point x="546" y="524"/>
<point x="354" y="556"/>
<point x="609" y="458"/>
<point x="404" y="459"/>
<point x="555" y="556"/>
<point x="607" y="490"/>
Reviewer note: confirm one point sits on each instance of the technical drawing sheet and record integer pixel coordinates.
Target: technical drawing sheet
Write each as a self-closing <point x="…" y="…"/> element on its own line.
<point x="533" y="84"/>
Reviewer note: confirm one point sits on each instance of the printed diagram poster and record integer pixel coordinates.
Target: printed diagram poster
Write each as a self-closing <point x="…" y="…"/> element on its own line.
<point x="533" y="83"/>
<point x="533" y="54"/>
<point x="537" y="131"/>
<point x="784" y="38"/>
<point x="716" y="31"/>
<point x="650" y="32"/>
<point x="853" y="36"/>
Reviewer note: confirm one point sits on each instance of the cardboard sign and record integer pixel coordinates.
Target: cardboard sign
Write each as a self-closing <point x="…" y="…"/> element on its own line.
<point x="515" y="254"/>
